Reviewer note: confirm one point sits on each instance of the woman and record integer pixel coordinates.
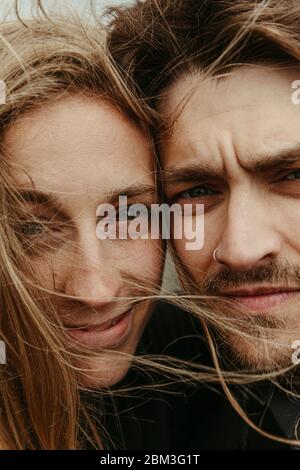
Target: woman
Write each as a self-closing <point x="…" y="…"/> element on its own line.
<point x="72" y="137"/>
<point x="74" y="304"/>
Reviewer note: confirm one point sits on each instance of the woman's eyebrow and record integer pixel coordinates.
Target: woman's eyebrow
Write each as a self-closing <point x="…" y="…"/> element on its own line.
<point x="38" y="197"/>
<point x="50" y="200"/>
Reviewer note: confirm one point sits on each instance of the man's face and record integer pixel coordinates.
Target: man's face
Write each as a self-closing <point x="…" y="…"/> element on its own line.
<point x="69" y="157"/>
<point x="235" y="148"/>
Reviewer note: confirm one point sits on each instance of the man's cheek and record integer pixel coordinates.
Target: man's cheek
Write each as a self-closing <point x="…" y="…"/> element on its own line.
<point x="190" y="259"/>
<point x="196" y="263"/>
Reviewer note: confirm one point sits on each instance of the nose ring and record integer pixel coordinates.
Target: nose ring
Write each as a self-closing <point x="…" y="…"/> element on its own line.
<point x="215" y="255"/>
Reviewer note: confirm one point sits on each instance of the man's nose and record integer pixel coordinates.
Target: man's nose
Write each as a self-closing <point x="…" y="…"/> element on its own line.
<point x="92" y="278"/>
<point x="250" y="237"/>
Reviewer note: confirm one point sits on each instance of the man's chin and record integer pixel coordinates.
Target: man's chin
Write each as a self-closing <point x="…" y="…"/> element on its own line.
<point x="257" y="342"/>
<point x="261" y="354"/>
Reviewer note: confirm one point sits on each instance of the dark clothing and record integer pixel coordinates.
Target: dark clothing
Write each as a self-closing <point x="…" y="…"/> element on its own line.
<point x="161" y="417"/>
<point x="181" y="416"/>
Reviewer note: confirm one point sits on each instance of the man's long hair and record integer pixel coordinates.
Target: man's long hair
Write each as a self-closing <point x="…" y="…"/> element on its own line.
<point x="155" y="43"/>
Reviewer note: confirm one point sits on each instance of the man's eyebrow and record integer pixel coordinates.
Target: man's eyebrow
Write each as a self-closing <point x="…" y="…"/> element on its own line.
<point x="196" y="172"/>
<point x="131" y="192"/>
<point x="275" y="161"/>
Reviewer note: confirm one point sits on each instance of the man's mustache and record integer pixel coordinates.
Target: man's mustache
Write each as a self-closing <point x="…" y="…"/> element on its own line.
<point x="273" y="274"/>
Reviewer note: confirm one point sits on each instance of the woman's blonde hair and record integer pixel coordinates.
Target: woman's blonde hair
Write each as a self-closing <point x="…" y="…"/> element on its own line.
<point x="42" y="59"/>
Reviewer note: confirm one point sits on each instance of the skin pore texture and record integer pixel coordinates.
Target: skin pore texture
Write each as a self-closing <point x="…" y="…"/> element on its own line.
<point x="235" y="147"/>
<point x="69" y="156"/>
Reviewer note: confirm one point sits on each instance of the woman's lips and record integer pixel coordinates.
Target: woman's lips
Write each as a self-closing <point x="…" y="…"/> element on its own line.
<point x="107" y="335"/>
<point x="262" y="302"/>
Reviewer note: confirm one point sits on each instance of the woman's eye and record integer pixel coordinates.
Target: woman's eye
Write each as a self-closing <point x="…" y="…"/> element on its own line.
<point x="199" y="191"/>
<point x="30" y="229"/>
<point x="123" y="215"/>
<point x="38" y="227"/>
<point x="293" y="175"/>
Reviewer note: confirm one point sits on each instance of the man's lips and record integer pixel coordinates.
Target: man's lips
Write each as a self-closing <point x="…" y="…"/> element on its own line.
<point x="260" y="290"/>
<point x="260" y="299"/>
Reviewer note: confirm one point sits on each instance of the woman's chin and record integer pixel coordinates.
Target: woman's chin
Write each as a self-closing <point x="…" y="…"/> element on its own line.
<point x="103" y="372"/>
<point x="108" y="367"/>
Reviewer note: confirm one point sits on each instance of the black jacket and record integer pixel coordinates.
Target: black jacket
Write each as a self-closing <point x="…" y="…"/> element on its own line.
<point x="181" y="416"/>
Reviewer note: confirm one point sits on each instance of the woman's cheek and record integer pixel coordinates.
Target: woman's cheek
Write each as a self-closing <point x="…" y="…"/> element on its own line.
<point x="144" y="259"/>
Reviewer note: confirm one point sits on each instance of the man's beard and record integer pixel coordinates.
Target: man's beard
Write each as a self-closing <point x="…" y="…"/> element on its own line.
<point x="250" y="341"/>
<point x="258" y="348"/>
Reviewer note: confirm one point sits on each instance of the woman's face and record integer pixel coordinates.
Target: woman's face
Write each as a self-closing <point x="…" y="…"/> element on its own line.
<point x="70" y="156"/>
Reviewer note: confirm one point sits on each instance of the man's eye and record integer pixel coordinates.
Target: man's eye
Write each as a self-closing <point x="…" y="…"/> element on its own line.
<point x="199" y="191"/>
<point x="293" y="175"/>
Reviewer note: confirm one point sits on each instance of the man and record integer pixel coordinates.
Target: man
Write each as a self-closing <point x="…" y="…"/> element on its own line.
<point x="222" y="75"/>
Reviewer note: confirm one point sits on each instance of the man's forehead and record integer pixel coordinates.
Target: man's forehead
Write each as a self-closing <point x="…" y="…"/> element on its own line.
<point x="217" y="118"/>
<point x="244" y="88"/>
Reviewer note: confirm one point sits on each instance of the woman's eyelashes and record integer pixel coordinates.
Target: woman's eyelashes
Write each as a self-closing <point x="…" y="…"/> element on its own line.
<point x="37" y="226"/>
<point x="41" y="234"/>
<point x="126" y="216"/>
<point x="32" y="228"/>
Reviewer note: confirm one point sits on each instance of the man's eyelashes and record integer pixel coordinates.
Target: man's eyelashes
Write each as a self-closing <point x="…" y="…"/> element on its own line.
<point x="205" y="190"/>
<point x="292" y="175"/>
<point x="198" y="191"/>
<point x="195" y="192"/>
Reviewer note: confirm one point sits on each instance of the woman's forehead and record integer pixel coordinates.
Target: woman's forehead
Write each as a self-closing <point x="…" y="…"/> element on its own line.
<point x="78" y="146"/>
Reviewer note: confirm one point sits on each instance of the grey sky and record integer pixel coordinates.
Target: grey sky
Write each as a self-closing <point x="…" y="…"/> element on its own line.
<point x="80" y="5"/>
